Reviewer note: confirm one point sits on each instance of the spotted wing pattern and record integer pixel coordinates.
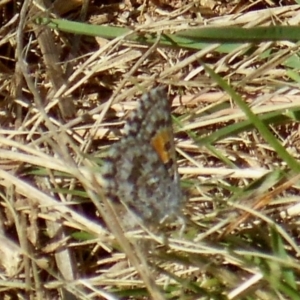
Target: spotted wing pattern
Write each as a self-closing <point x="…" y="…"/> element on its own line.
<point x="140" y="170"/>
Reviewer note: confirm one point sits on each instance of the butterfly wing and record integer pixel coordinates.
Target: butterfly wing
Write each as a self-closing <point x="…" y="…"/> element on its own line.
<point x="140" y="170"/>
<point x="134" y="174"/>
<point x="151" y="122"/>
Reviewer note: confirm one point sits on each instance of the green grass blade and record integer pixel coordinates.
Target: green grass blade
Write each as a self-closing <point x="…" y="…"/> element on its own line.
<point x="191" y="39"/>
<point x="256" y="121"/>
<point x="275" y="117"/>
<point x="278" y="248"/>
<point x="249" y="35"/>
<point x="111" y="32"/>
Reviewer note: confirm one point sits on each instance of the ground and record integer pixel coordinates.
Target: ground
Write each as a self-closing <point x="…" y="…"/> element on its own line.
<point x="66" y="94"/>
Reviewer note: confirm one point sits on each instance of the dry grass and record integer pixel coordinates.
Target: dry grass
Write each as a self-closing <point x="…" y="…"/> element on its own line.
<point x="64" y="97"/>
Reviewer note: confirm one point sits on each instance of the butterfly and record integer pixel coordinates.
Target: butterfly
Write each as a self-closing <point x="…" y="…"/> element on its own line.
<point x="140" y="170"/>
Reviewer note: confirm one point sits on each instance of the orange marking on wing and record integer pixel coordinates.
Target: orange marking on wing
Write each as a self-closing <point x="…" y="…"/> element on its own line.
<point x="159" y="143"/>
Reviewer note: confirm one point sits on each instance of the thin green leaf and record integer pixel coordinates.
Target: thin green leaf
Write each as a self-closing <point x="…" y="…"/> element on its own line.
<point x="110" y="32"/>
<point x="256" y="121"/>
<point x="247" y="35"/>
